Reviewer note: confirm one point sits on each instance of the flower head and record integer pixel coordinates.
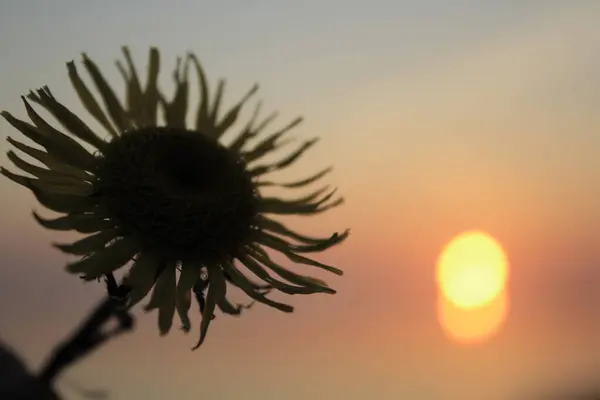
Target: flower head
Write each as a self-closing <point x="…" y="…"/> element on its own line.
<point x="182" y="211"/>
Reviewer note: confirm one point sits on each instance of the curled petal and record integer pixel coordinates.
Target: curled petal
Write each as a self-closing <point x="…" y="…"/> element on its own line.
<point x="286" y="207"/>
<point x="336" y="238"/>
<point x="298" y="184"/>
<point x="242" y="282"/>
<point x="229" y="308"/>
<point x="249" y="131"/>
<point x="305" y="286"/>
<point x="270" y="142"/>
<point x="316" y="284"/>
<point x="280" y="229"/>
<point x="231" y="116"/>
<point x="286" y="162"/>
<point x="297" y="258"/>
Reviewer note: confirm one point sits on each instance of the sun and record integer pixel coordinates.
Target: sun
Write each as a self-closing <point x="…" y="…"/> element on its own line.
<point x="472" y="270"/>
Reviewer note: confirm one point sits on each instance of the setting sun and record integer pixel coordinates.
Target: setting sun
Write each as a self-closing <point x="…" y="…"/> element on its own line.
<point x="472" y="270"/>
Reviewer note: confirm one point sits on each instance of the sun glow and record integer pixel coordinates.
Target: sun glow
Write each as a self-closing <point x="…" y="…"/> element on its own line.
<point x="474" y="325"/>
<point x="472" y="270"/>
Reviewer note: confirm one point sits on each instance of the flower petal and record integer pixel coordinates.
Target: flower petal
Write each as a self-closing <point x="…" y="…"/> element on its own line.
<point x="271" y="205"/>
<point x="106" y="259"/>
<point x="298" y="184"/>
<point x="62" y="203"/>
<point x="265" y="237"/>
<point x="176" y="110"/>
<point x="50" y="162"/>
<point x="202" y="115"/>
<point x="82" y="223"/>
<point x="270" y="142"/>
<point x="249" y="131"/>
<point x="151" y="94"/>
<point x="88" y="100"/>
<point x="44" y="174"/>
<point x="242" y="282"/>
<point x="111" y="102"/>
<point x="190" y="273"/>
<point x="68" y="120"/>
<point x="308" y="282"/>
<point x="163" y="298"/>
<point x="214" y="110"/>
<point x="18" y="179"/>
<point x="232" y="115"/>
<point x="229" y="308"/>
<point x="286" y="162"/>
<point x="57" y="144"/>
<point x="216" y="292"/>
<point x="259" y="271"/>
<point x="285" y="250"/>
<point x="133" y="89"/>
<point x="88" y="244"/>
<point x="280" y="229"/>
<point x="141" y="277"/>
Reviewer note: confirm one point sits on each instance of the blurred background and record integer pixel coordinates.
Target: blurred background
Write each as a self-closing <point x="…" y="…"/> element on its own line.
<point x="439" y="117"/>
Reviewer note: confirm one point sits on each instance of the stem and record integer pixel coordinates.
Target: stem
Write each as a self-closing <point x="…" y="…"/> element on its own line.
<point x="90" y="335"/>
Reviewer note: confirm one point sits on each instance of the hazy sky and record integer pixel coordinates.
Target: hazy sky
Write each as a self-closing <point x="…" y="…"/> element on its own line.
<point x="439" y="117"/>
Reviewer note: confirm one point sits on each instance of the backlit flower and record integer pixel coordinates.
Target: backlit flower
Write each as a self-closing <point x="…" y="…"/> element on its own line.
<point x="170" y="202"/>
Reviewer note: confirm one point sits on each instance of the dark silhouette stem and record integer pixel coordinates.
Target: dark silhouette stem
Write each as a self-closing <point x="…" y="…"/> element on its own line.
<point x="91" y="335"/>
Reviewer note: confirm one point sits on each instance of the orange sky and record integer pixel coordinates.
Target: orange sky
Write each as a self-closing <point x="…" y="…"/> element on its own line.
<point x="438" y="119"/>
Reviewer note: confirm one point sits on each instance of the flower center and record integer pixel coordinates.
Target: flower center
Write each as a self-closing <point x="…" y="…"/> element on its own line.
<point x="181" y="193"/>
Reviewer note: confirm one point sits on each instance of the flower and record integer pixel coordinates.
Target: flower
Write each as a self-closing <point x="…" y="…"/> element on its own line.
<point x="181" y="210"/>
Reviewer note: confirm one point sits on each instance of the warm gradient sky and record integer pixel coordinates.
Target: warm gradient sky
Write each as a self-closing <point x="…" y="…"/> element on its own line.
<point x="439" y="116"/>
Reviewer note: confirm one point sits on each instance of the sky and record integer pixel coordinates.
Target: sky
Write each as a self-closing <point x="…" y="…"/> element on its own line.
<point x="439" y="117"/>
